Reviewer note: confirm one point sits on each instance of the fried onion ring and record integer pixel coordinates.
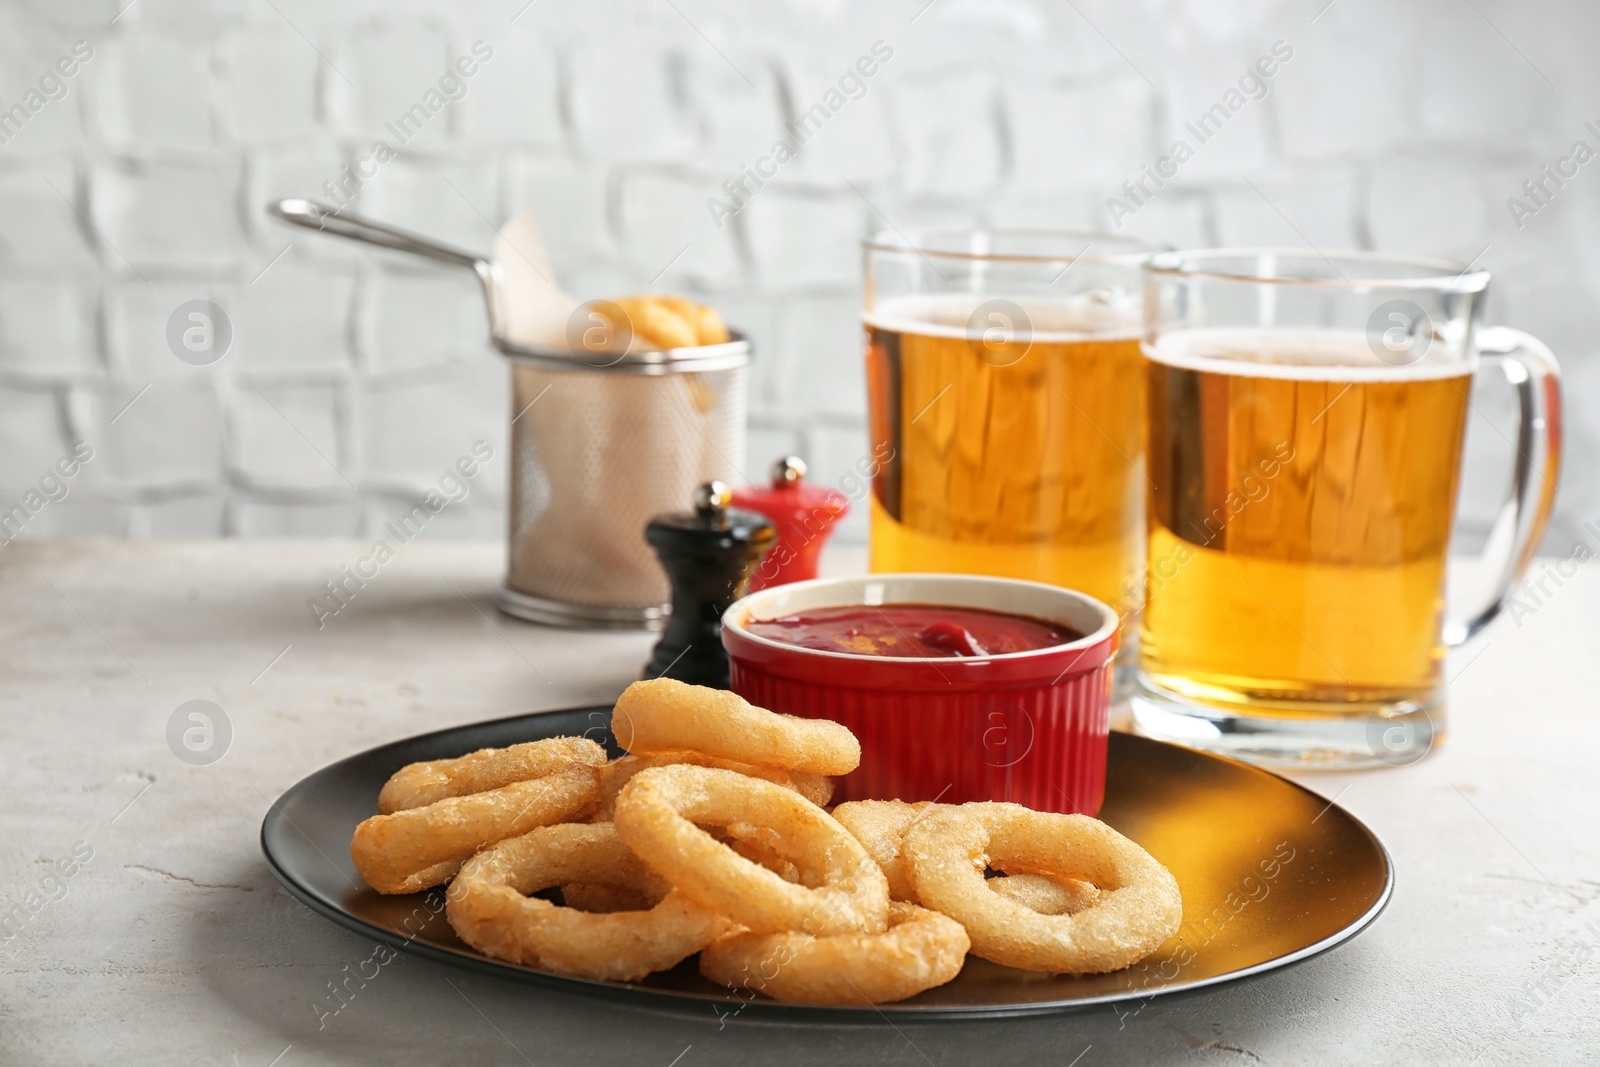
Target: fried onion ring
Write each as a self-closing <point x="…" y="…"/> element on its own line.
<point x="1138" y="908"/>
<point x="759" y="844"/>
<point x="643" y="893"/>
<point x="842" y="889"/>
<point x="1047" y="896"/>
<point x="617" y="773"/>
<point x="919" y="950"/>
<point x="419" y="784"/>
<point x="410" y="850"/>
<point x="664" y="715"/>
<point x="603" y="899"/>
<point x="817" y="788"/>
<point x="438" y="874"/>
<point x="880" y="826"/>
<point x="489" y="908"/>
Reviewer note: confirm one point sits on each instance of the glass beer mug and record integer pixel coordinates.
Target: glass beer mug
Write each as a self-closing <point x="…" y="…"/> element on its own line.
<point x="1006" y="402"/>
<point x="1306" y="420"/>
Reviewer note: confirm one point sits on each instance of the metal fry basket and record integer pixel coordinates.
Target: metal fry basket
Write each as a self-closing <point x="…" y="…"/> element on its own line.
<point x="609" y="449"/>
<point x="600" y="443"/>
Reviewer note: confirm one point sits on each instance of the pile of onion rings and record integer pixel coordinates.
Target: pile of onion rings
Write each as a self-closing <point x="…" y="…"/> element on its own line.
<point x="710" y="836"/>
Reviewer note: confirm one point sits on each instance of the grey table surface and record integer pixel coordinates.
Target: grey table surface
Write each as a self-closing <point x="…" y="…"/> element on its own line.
<point x="141" y="924"/>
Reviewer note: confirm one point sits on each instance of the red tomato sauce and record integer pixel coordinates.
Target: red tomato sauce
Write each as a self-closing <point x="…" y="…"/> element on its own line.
<point x="923" y="631"/>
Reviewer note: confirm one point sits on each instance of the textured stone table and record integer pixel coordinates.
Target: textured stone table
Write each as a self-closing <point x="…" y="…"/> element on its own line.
<point x="146" y="928"/>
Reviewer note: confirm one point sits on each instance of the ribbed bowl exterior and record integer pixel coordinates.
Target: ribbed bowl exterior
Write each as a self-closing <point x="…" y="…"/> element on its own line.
<point x="1028" y="727"/>
<point x="1040" y="745"/>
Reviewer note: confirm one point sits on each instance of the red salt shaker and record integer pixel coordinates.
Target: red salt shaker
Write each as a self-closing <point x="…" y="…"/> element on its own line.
<point x="803" y="515"/>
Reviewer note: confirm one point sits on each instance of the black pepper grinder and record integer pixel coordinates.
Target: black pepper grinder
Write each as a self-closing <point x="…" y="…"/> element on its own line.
<point x="709" y="555"/>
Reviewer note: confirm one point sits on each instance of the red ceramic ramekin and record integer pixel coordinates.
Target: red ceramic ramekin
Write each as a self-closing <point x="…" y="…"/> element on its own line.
<point x="1027" y="727"/>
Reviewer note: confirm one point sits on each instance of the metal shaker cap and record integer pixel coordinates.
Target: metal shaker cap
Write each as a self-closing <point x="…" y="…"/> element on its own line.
<point x="712" y="498"/>
<point x="713" y="524"/>
<point x="788" y="471"/>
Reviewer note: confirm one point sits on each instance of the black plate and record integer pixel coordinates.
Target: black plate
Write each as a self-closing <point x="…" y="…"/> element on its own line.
<point x="1271" y="874"/>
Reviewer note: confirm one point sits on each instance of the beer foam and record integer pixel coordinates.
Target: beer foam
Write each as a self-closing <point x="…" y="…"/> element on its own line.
<point x="1305" y="355"/>
<point x="1094" y="315"/>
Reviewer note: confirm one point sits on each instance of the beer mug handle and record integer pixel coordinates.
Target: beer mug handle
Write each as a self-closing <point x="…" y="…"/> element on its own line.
<point x="1520" y="525"/>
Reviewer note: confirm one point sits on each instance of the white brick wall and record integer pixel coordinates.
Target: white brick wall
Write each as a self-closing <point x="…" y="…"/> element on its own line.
<point x="354" y="380"/>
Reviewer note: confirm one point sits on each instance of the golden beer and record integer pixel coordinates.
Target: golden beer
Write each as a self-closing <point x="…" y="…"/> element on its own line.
<point x="1019" y="455"/>
<point x="1301" y="498"/>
